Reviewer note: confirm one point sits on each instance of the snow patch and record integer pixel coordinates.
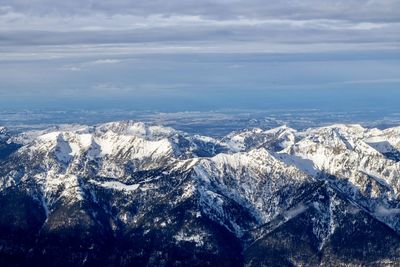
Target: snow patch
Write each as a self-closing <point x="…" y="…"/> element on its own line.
<point x="302" y="164"/>
<point x="196" y="238"/>
<point x="383" y="211"/>
<point x="293" y="212"/>
<point x="116" y="185"/>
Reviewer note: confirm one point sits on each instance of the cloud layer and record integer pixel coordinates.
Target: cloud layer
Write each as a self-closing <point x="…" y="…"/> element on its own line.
<point x="198" y="50"/>
<point x="64" y="27"/>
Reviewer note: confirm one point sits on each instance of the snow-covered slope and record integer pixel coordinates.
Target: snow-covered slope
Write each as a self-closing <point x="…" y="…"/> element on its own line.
<point x="348" y="157"/>
<point x="274" y="139"/>
<point x="129" y="177"/>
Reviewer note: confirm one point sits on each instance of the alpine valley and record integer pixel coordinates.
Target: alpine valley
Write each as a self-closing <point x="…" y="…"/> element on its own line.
<point x="132" y="194"/>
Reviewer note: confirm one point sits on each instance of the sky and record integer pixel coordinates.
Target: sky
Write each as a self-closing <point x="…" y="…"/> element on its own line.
<point x="200" y="55"/>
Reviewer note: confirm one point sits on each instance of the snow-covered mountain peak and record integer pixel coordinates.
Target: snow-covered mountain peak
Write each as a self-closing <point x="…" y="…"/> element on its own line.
<point x="4" y="136"/>
<point x="138" y="129"/>
<point x="361" y="160"/>
<point x="130" y="177"/>
<point x="281" y="129"/>
<point x="248" y="139"/>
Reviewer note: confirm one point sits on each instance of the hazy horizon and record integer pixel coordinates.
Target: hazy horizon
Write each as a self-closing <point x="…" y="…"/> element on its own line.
<point x="200" y="55"/>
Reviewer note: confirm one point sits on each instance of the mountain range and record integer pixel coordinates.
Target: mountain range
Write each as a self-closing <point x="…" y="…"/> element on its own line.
<point x="134" y="194"/>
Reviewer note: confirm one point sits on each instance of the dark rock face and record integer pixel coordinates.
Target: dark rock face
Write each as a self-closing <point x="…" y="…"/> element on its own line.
<point x="87" y="233"/>
<point x="353" y="237"/>
<point x="113" y="197"/>
<point x="7" y="147"/>
<point x="21" y="219"/>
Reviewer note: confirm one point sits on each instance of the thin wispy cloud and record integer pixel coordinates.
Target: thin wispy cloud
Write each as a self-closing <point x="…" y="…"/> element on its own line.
<point x="373" y="81"/>
<point x="104" y="61"/>
<point x="84" y="65"/>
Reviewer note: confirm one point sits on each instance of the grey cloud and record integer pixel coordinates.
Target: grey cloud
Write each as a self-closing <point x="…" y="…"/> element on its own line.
<point x="206" y="35"/>
<point x="370" y="10"/>
<point x="196" y="26"/>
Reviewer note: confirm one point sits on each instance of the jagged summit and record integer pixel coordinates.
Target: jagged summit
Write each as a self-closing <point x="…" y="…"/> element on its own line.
<point x="3" y="133"/>
<point x="223" y="201"/>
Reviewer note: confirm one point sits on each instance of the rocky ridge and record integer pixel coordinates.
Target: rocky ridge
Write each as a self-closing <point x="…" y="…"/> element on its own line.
<point x="128" y="193"/>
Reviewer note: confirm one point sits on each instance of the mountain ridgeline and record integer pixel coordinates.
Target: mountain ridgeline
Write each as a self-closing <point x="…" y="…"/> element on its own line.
<point x="132" y="194"/>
